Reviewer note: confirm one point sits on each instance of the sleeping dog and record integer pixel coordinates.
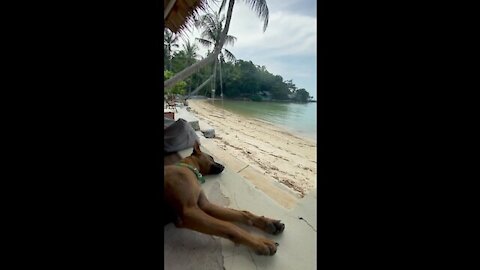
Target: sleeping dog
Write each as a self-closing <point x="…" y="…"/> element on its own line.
<point x="188" y="207"/>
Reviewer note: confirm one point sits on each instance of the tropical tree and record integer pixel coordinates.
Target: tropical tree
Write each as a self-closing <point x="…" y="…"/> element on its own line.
<point x="301" y="95"/>
<point x="259" y="6"/>
<point x="190" y="50"/>
<point x="177" y="89"/>
<point x="169" y="42"/>
<point x="212" y="26"/>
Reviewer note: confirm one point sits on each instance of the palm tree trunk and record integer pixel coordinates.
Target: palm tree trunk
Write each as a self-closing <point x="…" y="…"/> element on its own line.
<point x="200" y="87"/>
<point x="221" y="82"/>
<point x="185" y="73"/>
<point x="214" y="78"/>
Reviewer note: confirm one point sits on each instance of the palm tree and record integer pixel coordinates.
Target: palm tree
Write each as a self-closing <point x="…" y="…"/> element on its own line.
<point x="169" y="42"/>
<point x="259" y="6"/>
<point x="211" y="24"/>
<point x="190" y="50"/>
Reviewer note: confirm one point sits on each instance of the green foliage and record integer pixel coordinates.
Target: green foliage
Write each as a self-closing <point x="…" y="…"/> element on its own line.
<point x="177" y="89"/>
<point x="301" y="95"/>
<point x="169" y="42"/>
<point x="241" y="79"/>
<point x="211" y="25"/>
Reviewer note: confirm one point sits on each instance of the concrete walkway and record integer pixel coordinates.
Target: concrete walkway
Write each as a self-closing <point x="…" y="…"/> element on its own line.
<point x="185" y="249"/>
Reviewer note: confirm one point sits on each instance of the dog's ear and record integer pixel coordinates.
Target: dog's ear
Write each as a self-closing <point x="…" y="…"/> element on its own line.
<point x="196" y="148"/>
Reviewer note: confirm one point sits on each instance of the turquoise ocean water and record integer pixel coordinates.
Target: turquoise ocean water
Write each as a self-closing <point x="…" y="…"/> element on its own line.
<point x="300" y="119"/>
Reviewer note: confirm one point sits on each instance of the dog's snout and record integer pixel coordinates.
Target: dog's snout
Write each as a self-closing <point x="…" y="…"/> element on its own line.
<point x="217" y="168"/>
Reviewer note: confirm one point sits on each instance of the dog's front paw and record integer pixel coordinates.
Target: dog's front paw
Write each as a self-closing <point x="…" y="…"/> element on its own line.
<point x="265" y="247"/>
<point x="274" y="226"/>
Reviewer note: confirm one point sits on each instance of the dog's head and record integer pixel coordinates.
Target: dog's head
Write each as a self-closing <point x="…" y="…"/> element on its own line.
<point x="205" y="161"/>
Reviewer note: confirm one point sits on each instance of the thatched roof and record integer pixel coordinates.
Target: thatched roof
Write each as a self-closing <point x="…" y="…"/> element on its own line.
<point x="181" y="12"/>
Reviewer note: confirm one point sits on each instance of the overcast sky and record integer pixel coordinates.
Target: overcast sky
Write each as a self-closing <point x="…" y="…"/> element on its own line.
<point x="287" y="48"/>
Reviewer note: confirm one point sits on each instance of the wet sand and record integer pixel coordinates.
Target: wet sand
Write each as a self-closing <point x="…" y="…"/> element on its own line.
<point x="273" y="151"/>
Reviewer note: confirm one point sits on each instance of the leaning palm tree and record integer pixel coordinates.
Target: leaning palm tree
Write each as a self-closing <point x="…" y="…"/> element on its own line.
<point x="169" y="42"/>
<point x="259" y="6"/>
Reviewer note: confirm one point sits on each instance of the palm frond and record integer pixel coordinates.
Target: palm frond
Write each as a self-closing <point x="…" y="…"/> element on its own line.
<point x="175" y="38"/>
<point x="202" y="6"/>
<point x="229" y="55"/>
<point x="197" y="21"/>
<point x="208" y="34"/>
<point x="170" y="38"/>
<point x="204" y="42"/>
<point x="213" y="22"/>
<point x="230" y="40"/>
<point x="209" y="21"/>
<point x="190" y="49"/>
<point x="260" y="7"/>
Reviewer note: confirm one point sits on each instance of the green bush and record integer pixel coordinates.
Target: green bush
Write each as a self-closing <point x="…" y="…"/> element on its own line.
<point x="178" y="89"/>
<point x="256" y="98"/>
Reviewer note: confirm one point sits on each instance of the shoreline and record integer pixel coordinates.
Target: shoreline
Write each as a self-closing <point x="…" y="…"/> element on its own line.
<point x="286" y="157"/>
<point x="291" y="132"/>
<point x="305" y="135"/>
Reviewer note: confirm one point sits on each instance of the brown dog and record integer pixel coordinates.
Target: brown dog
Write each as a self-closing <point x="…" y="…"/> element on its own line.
<point x="190" y="208"/>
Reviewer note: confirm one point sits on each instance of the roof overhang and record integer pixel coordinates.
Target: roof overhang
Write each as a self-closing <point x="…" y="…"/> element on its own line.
<point x="178" y="12"/>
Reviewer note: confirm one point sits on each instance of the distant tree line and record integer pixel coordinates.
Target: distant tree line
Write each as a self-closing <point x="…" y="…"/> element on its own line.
<point x="239" y="79"/>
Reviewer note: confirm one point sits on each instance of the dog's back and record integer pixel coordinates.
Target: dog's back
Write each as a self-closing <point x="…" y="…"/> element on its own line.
<point x="168" y="215"/>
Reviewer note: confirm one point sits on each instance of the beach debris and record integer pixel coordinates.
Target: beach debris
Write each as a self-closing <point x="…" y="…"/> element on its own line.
<point x="301" y="218"/>
<point x="209" y="133"/>
<point x="280" y="157"/>
<point x="309" y="169"/>
<point x="292" y="186"/>
<point x="243" y="168"/>
<point x="228" y="144"/>
<point x="207" y="130"/>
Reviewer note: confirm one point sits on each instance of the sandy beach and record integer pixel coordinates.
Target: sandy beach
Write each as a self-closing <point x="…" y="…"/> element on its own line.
<point x="273" y="151"/>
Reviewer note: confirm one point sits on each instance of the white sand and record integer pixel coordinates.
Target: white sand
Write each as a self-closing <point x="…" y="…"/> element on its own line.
<point x="288" y="158"/>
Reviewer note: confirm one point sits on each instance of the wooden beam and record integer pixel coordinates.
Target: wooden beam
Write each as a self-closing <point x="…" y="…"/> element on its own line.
<point x="168" y="9"/>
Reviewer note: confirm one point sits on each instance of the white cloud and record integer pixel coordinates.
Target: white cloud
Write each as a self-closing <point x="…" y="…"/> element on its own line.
<point x="289" y="35"/>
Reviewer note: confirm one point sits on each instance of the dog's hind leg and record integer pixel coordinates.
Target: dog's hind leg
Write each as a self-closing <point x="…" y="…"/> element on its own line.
<point x="266" y="224"/>
<point x="195" y="219"/>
